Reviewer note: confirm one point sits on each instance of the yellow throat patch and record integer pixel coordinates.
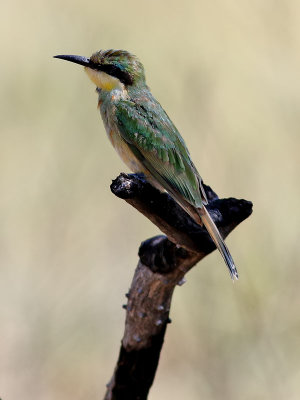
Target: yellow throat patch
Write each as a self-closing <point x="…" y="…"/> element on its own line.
<point x="103" y="81"/>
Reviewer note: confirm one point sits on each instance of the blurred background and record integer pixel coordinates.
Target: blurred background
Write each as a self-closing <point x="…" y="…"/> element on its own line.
<point x="227" y="73"/>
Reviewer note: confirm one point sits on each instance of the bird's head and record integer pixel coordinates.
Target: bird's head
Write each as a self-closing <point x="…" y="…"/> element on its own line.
<point x="111" y="69"/>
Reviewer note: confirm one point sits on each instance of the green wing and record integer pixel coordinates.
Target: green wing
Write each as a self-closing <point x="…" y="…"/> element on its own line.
<point x="157" y="144"/>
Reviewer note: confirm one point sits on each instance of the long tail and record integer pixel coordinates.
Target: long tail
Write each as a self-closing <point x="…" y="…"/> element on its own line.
<point x="219" y="242"/>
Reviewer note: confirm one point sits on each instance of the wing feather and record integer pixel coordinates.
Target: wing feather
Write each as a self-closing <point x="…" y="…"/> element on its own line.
<point x="158" y="145"/>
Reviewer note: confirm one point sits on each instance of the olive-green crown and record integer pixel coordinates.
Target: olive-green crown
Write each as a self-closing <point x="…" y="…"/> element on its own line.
<point x="120" y="64"/>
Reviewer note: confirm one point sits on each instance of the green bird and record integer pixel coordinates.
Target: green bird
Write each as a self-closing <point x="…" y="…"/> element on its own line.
<point x="144" y="136"/>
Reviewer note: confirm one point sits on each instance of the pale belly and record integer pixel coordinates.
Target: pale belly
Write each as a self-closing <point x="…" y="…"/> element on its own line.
<point x="129" y="158"/>
<point x="124" y="152"/>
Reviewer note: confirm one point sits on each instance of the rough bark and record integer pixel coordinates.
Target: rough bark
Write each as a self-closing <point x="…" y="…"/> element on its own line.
<point x="164" y="261"/>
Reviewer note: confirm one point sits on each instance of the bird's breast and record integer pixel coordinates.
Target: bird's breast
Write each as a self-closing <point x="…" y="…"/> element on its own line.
<point x="107" y="110"/>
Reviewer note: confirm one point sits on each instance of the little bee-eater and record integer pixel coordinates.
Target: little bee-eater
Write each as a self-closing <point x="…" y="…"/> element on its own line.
<point x="145" y="137"/>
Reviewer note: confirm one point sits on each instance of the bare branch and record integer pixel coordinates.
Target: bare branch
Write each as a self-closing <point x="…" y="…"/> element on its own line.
<point x="164" y="261"/>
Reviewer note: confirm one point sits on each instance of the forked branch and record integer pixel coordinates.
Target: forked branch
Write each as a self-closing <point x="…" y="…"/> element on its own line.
<point x="164" y="261"/>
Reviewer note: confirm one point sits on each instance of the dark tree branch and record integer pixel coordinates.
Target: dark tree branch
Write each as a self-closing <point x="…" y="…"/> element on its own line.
<point x="164" y="261"/>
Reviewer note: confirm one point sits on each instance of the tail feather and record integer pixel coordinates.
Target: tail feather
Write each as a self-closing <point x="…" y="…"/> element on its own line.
<point x="218" y="240"/>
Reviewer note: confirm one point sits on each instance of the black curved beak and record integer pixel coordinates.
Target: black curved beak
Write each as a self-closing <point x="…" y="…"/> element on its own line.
<point x="75" y="59"/>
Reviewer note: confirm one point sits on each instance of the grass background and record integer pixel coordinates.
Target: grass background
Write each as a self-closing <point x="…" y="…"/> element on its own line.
<point x="227" y="73"/>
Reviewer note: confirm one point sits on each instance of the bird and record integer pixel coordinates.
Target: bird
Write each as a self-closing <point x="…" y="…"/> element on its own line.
<point x="144" y="136"/>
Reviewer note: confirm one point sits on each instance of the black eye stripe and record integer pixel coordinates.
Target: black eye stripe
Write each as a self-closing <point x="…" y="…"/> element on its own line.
<point x="113" y="70"/>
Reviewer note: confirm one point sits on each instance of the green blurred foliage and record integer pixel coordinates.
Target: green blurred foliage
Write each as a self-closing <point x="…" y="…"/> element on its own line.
<point x="227" y="73"/>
